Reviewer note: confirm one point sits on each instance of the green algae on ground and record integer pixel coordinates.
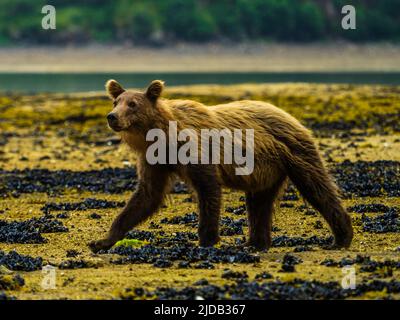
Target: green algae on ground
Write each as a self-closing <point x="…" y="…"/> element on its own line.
<point x="329" y="107"/>
<point x="134" y="243"/>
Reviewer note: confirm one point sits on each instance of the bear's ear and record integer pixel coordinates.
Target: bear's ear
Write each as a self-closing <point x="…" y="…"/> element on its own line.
<point x="154" y="90"/>
<point x="114" y="89"/>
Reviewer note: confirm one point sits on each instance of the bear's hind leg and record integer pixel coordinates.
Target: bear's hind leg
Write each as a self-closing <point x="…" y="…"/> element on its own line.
<point x="260" y="209"/>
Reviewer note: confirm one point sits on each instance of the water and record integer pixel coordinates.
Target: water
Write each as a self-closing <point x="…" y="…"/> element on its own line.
<point x="76" y="82"/>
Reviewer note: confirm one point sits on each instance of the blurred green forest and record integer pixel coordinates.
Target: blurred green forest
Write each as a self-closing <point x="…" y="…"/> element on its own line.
<point x="165" y="21"/>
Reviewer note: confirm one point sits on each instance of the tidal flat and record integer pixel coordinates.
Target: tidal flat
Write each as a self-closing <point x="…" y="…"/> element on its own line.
<point x="64" y="175"/>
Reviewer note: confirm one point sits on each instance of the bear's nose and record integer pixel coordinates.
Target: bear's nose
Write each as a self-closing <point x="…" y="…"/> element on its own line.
<point x="112" y="118"/>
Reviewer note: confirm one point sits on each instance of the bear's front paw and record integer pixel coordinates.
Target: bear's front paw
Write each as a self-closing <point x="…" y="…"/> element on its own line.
<point x="259" y="245"/>
<point x="98" y="245"/>
<point x="208" y="242"/>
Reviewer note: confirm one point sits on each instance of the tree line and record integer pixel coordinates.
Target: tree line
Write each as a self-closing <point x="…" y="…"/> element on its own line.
<point x="166" y="21"/>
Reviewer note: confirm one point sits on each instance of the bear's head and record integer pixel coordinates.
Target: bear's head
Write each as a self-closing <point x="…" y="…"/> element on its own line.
<point x="133" y="109"/>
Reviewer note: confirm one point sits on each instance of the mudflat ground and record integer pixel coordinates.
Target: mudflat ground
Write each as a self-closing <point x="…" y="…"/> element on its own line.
<point x="64" y="176"/>
<point x="243" y="57"/>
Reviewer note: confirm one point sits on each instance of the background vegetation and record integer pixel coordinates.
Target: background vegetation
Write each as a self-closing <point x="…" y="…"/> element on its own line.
<point x="161" y="21"/>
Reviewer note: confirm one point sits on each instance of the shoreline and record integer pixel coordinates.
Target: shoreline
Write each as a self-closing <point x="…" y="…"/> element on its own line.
<point x="209" y="58"/>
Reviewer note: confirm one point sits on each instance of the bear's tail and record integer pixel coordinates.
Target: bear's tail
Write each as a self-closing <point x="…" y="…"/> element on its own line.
<point x="306" y="170"/>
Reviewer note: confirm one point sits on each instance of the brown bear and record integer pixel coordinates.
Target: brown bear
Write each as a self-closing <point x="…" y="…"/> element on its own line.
<point x="283" y="148"/>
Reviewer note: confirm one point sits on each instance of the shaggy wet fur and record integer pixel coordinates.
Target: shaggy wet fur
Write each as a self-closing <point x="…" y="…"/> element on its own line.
<point x="283" y="149"/>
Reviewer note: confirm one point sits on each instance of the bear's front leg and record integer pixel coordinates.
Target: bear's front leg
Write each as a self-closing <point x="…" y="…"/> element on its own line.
<point x="143" y="203"/>
<point x="204" y="181"/>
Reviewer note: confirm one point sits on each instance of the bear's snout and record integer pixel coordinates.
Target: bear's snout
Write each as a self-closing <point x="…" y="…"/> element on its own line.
<point x="113" y="121"/>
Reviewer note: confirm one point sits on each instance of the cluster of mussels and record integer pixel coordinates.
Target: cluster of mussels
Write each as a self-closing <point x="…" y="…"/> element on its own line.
<point x="186" y="253"/>
<point x="17" y="262"/>
<point x="389" y="221"/>
<point x="86" y="204"/>
<point x="243" y="289"/>
<point x="365" y="262"/>
<point x="368" y="178"/>
<point x="29" y="231"/>
<point x="360" y="178"/>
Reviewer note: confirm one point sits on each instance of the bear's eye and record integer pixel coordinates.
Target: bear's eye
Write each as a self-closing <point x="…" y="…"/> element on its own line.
<point x="132" y="104"/>
<point x="115" y="103"/>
